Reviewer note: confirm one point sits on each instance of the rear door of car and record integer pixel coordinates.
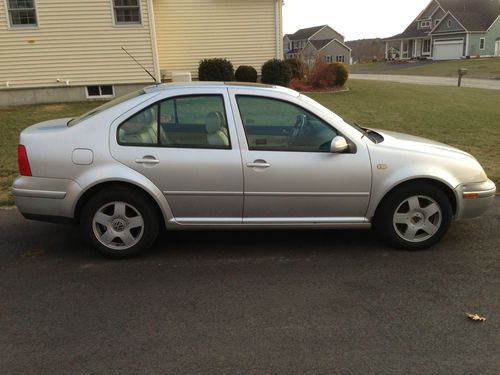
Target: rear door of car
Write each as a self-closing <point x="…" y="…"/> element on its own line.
<point x="186" y="144"/>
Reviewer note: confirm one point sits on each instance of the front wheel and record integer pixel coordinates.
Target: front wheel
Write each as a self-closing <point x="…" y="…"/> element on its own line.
<point x="119" y="222"/>
<point x="414" y="217"/>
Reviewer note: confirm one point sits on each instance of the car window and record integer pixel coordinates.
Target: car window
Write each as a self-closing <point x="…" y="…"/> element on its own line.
<point x="140" y="129"/>
<point x="194" y="121"/>
<point x="277" y="125"/>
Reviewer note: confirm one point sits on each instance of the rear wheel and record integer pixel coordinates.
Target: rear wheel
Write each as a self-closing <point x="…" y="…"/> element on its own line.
<point x="414" y="217"/>
<point x="119" y="222"/>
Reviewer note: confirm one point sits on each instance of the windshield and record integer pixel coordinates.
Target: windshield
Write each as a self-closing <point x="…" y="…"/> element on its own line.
<point x="105" y="106"/>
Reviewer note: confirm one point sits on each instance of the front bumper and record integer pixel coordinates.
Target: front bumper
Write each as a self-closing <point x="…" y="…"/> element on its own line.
<point x="38" y="197"/>
<point x="474" y="199"/>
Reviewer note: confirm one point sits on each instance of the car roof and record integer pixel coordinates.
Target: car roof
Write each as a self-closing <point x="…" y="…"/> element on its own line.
<point x="240" y="85"/>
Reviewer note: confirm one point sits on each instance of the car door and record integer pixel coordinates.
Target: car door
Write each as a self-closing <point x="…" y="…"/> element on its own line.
<point x="187" y="146"/>
<point x="290" y="175"/>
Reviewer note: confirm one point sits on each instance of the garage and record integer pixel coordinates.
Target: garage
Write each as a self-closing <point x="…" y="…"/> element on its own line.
<point x="448" y="49"/>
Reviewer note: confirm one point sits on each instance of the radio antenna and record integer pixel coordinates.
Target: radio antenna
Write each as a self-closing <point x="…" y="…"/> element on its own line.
<point x="138" y="63"/>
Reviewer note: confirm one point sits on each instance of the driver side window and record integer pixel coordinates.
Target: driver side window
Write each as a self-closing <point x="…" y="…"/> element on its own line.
<point x="275" y="125"/>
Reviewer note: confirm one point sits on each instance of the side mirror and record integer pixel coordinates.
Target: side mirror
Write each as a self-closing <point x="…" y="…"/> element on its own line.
<point x="339" y="144"/>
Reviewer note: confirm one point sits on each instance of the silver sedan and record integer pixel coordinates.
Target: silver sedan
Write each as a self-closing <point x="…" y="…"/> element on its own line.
<point x="213" y="155"/>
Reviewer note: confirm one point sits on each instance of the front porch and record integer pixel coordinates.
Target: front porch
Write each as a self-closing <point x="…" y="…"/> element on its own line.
<point x="416" y="48"/>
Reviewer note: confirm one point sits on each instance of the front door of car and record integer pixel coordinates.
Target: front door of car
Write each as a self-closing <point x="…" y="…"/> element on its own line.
<point x="290" y="175"/>
<point x="187" y="146"/>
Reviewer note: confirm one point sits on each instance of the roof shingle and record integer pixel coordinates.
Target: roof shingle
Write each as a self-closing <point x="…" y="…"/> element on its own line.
<point x="474" y="15"/>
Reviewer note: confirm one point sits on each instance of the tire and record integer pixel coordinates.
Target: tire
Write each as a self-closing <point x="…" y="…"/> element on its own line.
<point x="414" y="217"/>
<point x="119" y="222"/>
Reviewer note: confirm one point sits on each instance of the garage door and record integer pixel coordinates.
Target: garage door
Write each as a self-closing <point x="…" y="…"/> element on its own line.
<point x="448" y="49"/>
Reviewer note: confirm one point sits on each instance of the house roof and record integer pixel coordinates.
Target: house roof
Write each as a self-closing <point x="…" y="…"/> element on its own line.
<point x="474" y="15"/>
<point x="318" y="44"/>
<point x="305" y="33"/>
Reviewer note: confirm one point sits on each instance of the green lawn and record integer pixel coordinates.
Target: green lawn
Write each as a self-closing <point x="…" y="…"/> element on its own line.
<point x="487" y="68"/>
<point x="465" y="118"/>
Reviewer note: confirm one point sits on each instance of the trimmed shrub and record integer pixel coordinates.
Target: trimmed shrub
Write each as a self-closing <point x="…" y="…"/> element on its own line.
<point x="276" y="72"/>
<point x="246" y="74"/>
<point x="298" y="68"/>
<point x="341" y="72"/>
<point x="216" y="70"/>
<point x="328" y="75"/>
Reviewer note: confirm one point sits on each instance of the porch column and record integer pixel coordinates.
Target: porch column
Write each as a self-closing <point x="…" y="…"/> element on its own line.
<point x="401" y="51"/>
<point x="387" y="50"/>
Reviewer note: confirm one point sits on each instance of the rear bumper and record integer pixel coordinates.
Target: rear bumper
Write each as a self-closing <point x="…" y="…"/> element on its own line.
<point x="42" y="198"/>
<point x="474" y="199"/>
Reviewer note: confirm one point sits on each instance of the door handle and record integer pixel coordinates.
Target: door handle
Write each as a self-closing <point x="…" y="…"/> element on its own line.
<point x="259" y="164"/>
<point x="148" y="160"/>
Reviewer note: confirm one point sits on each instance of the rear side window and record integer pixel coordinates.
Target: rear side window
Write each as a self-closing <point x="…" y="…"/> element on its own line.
<point x="194" y="121"/>
<point x="140" y="129"/>
<point x="198" y="121"/>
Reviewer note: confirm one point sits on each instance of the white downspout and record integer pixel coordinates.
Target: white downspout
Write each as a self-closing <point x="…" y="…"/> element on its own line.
<point x="154" y="44"/>
<point x="467" y="45"/>
<point x="278" y="27"/>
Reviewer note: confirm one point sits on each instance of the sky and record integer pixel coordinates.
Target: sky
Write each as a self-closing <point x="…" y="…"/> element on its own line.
<point x="355" y="19"/>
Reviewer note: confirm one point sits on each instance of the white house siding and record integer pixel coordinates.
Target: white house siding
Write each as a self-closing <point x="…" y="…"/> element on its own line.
<point x="75" y="41"/>
<point x="245" y="32"/>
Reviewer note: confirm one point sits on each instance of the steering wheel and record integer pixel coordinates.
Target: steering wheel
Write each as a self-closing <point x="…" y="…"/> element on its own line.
<point x="298" y="129"/>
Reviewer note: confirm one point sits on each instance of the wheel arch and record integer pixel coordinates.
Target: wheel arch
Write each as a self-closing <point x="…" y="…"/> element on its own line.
<point x="110" y="184"/>
<point x="445" y="188"/>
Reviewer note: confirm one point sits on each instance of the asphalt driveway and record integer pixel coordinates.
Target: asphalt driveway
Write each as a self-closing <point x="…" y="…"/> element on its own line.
<point x="431" y="81"/>
<point x="249" y="302"/>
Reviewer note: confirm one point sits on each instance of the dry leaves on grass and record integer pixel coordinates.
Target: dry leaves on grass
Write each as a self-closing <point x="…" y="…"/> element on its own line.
<point x="475" y="317"/>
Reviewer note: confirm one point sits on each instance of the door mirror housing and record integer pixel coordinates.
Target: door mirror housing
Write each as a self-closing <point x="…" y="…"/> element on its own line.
<point x="339" y="144"/>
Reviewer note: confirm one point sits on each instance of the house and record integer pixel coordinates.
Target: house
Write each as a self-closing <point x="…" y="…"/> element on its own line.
<point x="60" y="50"/>
<point x="450" y="30"/>
<point x="317" y="42"/>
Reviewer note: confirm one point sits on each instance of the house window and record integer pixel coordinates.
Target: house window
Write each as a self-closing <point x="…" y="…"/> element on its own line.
<point x="449" y="23"/>
<point x="22" y="13"/>
<point x="426" y="46"/>
<point x="482" y="43"/>
<point x="106" y="91"/>
<point x="127" y="12"/>
<point x="329" y="59"/>
<point x="436" y="22"/>
<point x="425" y="24"/>
<point x="340" y="58"/>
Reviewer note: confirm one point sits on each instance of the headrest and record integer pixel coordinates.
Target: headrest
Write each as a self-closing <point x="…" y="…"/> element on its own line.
<point x="214" y="122"/>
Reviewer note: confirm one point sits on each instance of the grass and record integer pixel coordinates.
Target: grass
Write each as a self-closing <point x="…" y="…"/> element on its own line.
<point x="487" y="68"/>
<point x="466" y="118"/>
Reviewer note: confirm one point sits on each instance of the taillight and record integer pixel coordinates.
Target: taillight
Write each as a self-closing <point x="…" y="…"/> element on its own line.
<point x="23" y="162"/>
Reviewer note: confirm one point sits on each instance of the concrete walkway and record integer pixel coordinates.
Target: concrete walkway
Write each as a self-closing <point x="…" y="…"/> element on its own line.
<point x="434" y="81"/>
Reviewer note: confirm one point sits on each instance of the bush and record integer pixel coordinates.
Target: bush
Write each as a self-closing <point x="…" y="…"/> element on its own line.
<point x="297" y="67"/>
<point x="276" y="72"/>
<point x="342" y="73"/>
<point x="216" y="70"/>
<point x="246" y="74"/>
<point x="328" y="75"/>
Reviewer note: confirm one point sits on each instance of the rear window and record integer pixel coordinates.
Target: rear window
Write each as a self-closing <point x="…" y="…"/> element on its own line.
<point x="105" y="106"/>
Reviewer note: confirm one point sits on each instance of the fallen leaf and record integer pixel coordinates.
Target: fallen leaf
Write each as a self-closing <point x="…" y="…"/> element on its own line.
<point x="33" y="253"/>
<point x="475" y="317"/>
